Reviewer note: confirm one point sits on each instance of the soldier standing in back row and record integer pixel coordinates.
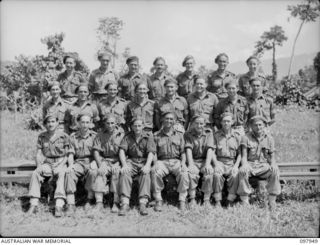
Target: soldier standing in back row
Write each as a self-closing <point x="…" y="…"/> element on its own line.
<point x="100" y="77"/>
<point x="217" y="79"/>
<point x="70" y="79"/>
<point x="186" y="79"/>
<point x="128" y="82"/>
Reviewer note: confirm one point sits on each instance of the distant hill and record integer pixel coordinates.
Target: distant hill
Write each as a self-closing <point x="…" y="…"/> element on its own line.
<point x="299" y="62"/>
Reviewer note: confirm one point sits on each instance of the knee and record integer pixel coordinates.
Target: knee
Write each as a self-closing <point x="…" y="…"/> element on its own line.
<point x="216" y="175"/>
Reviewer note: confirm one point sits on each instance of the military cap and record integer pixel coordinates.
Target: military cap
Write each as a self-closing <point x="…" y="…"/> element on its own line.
<point x="104" y="54"/>
<point x="137" y="118"/>
<point x="53" y="84"/>
<point x="258" y="118"/>
<point x="81" y="85"/>
<point x="132" y="58"/>
<point x="188" y="57"/>
<point x="109" y="116"/>
<point x="196" y="116"/>
<point x="68" y="56"/>
<point x="170" y="80"/>
<point x="82" y="114"/>
<point x="169" y="112"/>
<point x="50" y="115"/>
<point x="226" y="114"/>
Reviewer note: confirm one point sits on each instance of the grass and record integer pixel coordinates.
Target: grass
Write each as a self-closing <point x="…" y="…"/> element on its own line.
<point x="296" y="135"/>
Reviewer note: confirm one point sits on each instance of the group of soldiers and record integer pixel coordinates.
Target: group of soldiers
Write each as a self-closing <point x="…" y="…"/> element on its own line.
<point x="110" y="131"/>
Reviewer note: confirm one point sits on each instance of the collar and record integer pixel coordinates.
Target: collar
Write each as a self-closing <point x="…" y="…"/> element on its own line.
<point x="146" y="101"/>
<point x="116" y="100"/>
<point x="189" y="77"/>
<point x="138" y="75"/>
<point x="99" y="70"/>
<point x="237" y="100"/>
<point x="87" y="102"/>
<point x="222" y="134"/>
<point x="88" y="134"/>
<point x="59" y="101"/>
<point x="162" y="76"/>
<point x="173" y="132"/>
<point x="57" y="134"/>
<point x="261" y="96"/>
<point x="259" y="139"/>
<point x="194" y="133"/>
<point x="176" y="96"/>
<point x="206" y="94"/>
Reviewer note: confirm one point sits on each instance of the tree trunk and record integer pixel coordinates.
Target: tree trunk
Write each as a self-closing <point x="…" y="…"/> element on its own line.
<point x="274" y="65"/>
<point x="293" y="48"/>
<point x="114" y="53"/>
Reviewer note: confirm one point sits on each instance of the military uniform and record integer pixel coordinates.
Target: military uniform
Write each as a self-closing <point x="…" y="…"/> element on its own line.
<point x="238" y="108"/>
<point x="75" y="110"/>
<point x="245" y="89"/>
<point x="127" y="85"/>
<point x="261" y="106"/>
<point x="107" y="145"/>
<point x="69" y="84"/>
<point x="58" y="108"/>
<point x="118" y="108"/>
<point x="185" y="84"/>
<point x="179" y="106"/>
<point x="137" y="153"/>
<point x="227" y="148"/>
<point x="199" y="145"/>
<point x="81" y="148"/>
<point x="54" y="149"/>
<point x="258" y="156"/>
<point x="169" y="147"/>
<point x="156" y="86"/>
<point x="98" y="81"/>
<point x="205" y="106"/>
<point x="216" y="83"/>
<point x="145" y="110"/>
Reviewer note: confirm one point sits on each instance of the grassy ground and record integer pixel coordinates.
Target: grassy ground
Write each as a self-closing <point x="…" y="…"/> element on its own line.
<point x="297" y="139"/>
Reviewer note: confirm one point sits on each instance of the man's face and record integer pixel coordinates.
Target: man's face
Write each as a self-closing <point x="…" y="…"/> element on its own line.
<point x="142" y="91"/>
<point x="104" y="62"/>
<point x="110" y="124"/>
<point x="133" y="66"/>
<point x="201" y="85"/>
<point x="258" y="127"/>
<point x="83" y="93"/>
<point x="171" y="89"/>
<point x="256" y="87"/>
<point x="232" y="90"/>
<point x="198" y="124"/>
<point x="137" y="127"/>
<point x="51" y="124"/>
<point x="252" y="65"/>
<point x="55" y="91"/>
<point x="112" y="90"/>
<point x="85" y="123"/>
<point x="222" y="62"/>
<point x="226" y="122"/>
<point x="70" y="64"/>
<point x="189" y="64"/>
<point x="160" y="66"/>
<point x="168" y="120"/>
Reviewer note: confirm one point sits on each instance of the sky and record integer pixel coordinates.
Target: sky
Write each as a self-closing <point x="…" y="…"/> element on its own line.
<point x="172" y="29"/>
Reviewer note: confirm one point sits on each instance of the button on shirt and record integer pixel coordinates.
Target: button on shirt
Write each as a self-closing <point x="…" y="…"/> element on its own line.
<point x="259" y="150"/>
<point x="205" y="105"/>
<point x="69" y="84"/>
<point x="237" y="108"/>
<point x="226" y="147"/>
<point x="216" y="82"/>
<point x="55" y="146"/>
<point x="58" y="108"/>
<point x="81" y="146"/>
<point x="107" y="144"/>
<point x="138" y="148"/>
<point x="185" y="84"/>
<point x="244" y="84"/>
<point x="199" y="143"/>
<point x="127" y="85"/>
<point x="178" y="105"/>
<point x="118" y="107"/>
<point x="144" y="110"/>
<point x="87" y="108"/>
<point x="262" y="106"/>
<point x="156" y="87"/>
<point x="98" y="79"/>
<point x="169" y="145"/>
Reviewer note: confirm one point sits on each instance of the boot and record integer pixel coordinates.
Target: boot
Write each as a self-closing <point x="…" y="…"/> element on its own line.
<point x="123" y="210"/>
<point x="158" y="206"/>
<point x="143" y="209"/>
<point x="58" y="212"/>
<point x="71" y="209"/>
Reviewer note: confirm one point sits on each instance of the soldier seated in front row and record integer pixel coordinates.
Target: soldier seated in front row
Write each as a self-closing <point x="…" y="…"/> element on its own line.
<point x="258" y="161"/>
<point x="170" y="158"/>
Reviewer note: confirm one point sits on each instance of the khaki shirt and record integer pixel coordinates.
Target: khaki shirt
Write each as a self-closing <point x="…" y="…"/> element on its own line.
<point x="99" y="79"/>
<point x="199" y="144"/>
<point x="140" y="148"/>
<point x="54" y="147"/>
<point x="169" y="146"/>
<point x="216" y="83"/>
<point x="69" y="84"/>
<point x="156" y="87"/>
<point x="226" y="147"/>
<point x="262" y="106"/>
<point x="145" y="110"/>
<point x="88" y="108"/>
<point x="245" y="89"/>
<point x="81" y="146"/>
<point x="179" y="105"/>
<point x="185" y="84"/>
<point x="259" y="150"/>
<point x="107" y="144"/>
<point x="119" y="108"/>
<point x="59" y="108"/>
<point x="237" y="108"/>
<point x="127" y="85"/>
<point x="205" y="106"/>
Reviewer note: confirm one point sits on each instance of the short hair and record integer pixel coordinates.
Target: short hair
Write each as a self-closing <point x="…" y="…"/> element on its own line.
<point x="53" y="84"/>
<point x="188" y="57"/>
<point x="81" y="85"/>
<point x="137" y="118"/>
<point x="226" y="114"/>
<point x="252" y="57"/>
<point x="169" y="112"/>
<point x="157" y="59"/>
<point x="68" y="56"/>
<point x="255" y="79"/>
<point x="138" y="86"/>
<point x="109" y="84"/>
<point x="258" y="118"/>
<point x="219" y="56"/>
<point x="50" y="115"/>
<point x="83" y="114"/>
<point x="170" y="80"/>
<point x="231" y="81"/>
<point x="109" y="116"/>
<point x="132" y="58"/>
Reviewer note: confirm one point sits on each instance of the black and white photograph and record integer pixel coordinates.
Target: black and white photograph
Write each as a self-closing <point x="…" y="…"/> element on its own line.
<point x="159" y="119"/>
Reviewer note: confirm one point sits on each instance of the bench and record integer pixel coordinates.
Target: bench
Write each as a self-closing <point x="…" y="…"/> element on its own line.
<point x="20" y="171"/>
